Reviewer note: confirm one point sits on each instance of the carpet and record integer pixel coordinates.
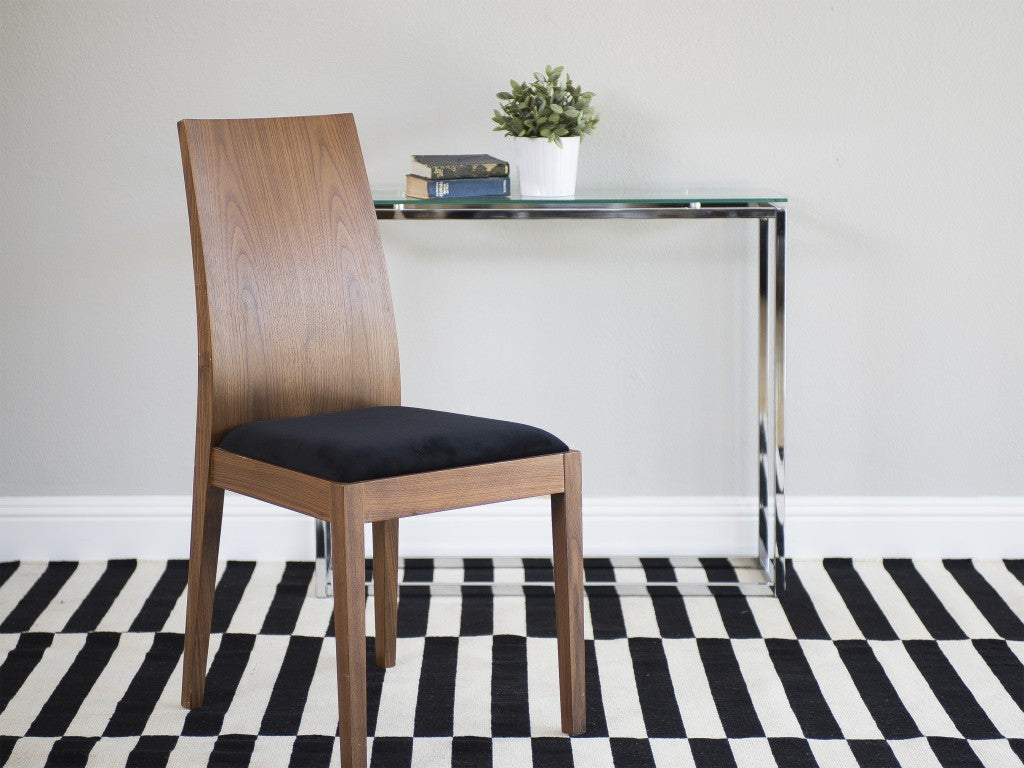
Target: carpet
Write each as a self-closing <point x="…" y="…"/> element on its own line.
<point x="860" y="663"/>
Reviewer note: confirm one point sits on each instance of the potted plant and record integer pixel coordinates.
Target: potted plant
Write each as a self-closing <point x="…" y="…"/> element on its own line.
<point x="546" y="120"/>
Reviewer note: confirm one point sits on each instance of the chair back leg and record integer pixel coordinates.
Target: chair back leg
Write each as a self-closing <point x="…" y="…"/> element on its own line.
<point x="567" y="536"/>
<point x="385" y="590"/>
<point x="207" y="512"/>
<point x="348" y="557"/>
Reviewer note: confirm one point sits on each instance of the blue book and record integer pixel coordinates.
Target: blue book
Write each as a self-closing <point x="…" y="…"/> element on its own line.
<point x="418" y="186"/>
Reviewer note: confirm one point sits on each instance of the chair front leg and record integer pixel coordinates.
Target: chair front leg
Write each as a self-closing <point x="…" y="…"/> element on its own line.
<point x="348" y="557"/>
<point x="207" y="513"/>
<point x="567" y="535"/>
<point x="385" y="590"/>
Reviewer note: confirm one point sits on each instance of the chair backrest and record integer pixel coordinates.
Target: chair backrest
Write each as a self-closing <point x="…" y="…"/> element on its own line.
<point x="292" y="297"/>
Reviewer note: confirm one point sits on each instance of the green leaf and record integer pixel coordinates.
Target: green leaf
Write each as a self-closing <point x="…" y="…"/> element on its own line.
<point x="547" y="106"/>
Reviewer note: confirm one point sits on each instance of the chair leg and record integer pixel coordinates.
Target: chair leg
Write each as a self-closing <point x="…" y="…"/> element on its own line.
<point x="567" y="530"/>
<point x="348" y="555"/>
<point x="207" y="512"/>
<point x="385" y="590"/>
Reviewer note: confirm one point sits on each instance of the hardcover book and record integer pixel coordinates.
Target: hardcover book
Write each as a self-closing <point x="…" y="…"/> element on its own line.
<point x="458" y="166"/>
<point x="418" y="186"/>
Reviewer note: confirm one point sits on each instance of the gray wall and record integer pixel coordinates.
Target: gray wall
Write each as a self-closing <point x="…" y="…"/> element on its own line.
<point x="894" y="128"/>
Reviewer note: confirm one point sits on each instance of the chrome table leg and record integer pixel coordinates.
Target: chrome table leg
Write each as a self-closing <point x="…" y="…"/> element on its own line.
<point x="780" y="400"/>
<point x="323" y="574"/>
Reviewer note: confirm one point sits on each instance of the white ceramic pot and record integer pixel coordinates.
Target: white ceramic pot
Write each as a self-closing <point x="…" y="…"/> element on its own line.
<point x="545" y="169"/>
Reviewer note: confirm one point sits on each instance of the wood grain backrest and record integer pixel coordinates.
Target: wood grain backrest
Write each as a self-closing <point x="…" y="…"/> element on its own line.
<point x="292" y="298"/>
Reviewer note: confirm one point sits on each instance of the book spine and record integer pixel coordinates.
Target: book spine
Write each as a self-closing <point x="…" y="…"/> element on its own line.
<point x="496" y="186"/>
<point x="468" y="171"/>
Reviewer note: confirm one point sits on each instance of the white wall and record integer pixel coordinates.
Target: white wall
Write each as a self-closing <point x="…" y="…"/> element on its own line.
<point x="894" y="128"/>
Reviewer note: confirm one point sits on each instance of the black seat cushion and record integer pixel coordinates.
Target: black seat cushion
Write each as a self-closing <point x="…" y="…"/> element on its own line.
<point x="369" y="443"/>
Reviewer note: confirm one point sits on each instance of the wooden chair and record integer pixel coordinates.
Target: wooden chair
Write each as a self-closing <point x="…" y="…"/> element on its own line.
<point x="299" y="395"/>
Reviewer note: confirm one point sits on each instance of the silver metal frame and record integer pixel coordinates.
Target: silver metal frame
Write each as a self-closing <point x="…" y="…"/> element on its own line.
<point x="771" y="358"/>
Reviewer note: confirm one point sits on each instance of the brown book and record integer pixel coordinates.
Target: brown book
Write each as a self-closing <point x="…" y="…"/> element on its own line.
<point x="458" y="166"/>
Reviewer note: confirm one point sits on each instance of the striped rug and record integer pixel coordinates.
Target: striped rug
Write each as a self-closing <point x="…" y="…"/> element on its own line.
<point x="866" y="663"/>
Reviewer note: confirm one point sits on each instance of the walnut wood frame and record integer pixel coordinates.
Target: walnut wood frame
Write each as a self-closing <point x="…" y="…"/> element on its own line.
<point x="295" y="317"/>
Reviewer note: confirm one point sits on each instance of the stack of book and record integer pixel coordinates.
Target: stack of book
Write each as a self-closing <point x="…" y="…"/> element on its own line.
<point x="457" y="176"/>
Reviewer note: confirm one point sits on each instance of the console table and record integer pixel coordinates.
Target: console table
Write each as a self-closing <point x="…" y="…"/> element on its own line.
<point x="764" y="575"/>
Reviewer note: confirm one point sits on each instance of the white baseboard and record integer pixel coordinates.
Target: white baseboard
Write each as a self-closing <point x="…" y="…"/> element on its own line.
<point x="905" y="526"/>
<point x="156" y="527"/>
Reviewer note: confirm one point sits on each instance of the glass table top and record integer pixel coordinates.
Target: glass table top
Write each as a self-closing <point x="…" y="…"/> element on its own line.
<point x="627" y="197"/>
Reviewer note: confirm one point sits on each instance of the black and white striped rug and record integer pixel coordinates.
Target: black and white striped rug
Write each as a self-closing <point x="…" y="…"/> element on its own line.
<point x="867" y="663"/>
